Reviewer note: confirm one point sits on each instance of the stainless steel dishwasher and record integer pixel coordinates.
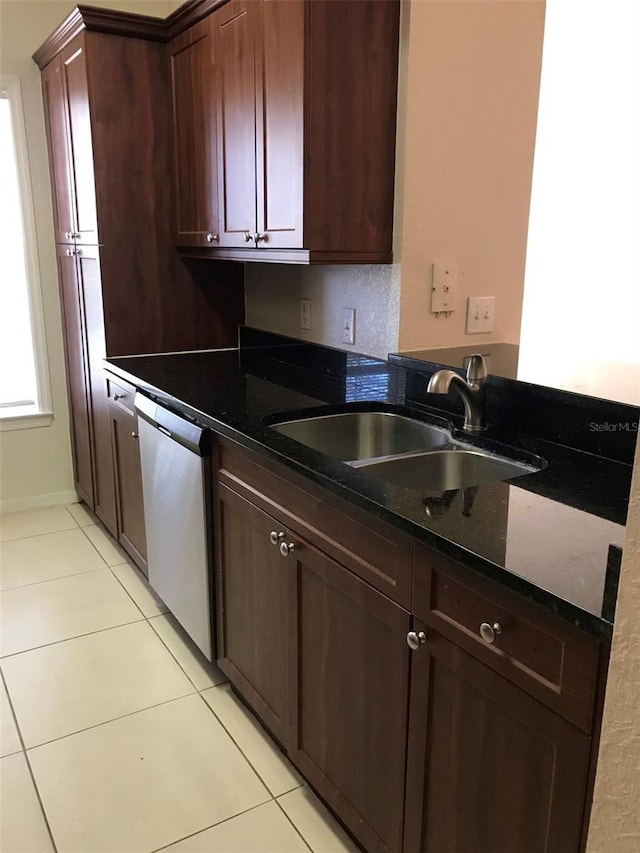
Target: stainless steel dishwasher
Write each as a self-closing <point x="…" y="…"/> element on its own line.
<point x="175" y="459"/>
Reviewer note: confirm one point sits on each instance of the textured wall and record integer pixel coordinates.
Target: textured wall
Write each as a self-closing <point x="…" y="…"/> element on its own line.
<point x="36" y="463"/>
<point x="273" y="294"/>
<point x="615" y="818"/>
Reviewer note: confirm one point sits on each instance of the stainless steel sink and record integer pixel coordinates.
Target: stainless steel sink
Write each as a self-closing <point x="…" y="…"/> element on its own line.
<point x="445" y="469"/>
<point x="364" y="435"/>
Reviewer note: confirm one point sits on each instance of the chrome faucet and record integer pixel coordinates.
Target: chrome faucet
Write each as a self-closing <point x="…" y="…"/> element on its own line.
<point x="471" y="391"/>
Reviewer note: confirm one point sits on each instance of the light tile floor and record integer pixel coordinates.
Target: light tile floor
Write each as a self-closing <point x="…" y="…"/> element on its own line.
<point x="117" y="735"/>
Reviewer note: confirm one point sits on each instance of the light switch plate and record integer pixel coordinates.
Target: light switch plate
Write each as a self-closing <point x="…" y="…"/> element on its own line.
<point x="348" y="326"/>
<point x="480" y="314"/>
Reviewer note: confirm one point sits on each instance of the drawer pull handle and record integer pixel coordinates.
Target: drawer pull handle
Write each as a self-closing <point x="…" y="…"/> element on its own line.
<point x="276" y="538"/>
<point x="490" y="632"/>
<point x="287" y="548"/>
<point x="414" y="641"/>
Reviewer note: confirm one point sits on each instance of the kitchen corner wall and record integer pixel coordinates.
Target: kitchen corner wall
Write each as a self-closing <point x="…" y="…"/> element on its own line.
<point x="468" y="94"/>
<point x="35" y="464"/>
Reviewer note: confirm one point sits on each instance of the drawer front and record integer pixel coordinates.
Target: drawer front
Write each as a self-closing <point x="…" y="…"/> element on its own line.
<point x="120" y="393"/>
<point x="542" y="654"/>
<point x="371" y="549"/>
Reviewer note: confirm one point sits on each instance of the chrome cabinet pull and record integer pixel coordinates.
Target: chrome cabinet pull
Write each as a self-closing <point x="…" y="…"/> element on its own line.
<point x="212" y="237"/>
<point x="259" y="238"/>
<point x="69" y="253"/>
<point x="490" y="632"/>
<point x="287" y="548"/>
<point x="68" y="235"/>
<point x="415" y="640"/>
<point x="247" y="237"/>
<point x="134" y="436"/>
<point x="275" y="538"/>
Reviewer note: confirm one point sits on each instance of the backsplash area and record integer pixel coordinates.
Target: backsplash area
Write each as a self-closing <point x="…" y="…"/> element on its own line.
<point x="273" y="293"/>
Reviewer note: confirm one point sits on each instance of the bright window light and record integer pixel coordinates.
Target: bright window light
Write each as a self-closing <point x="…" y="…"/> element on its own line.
<point x="23" y="374"/>
<point x="582" y="282"/>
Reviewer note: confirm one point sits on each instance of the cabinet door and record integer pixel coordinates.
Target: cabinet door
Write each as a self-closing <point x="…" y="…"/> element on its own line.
<point x="76" y="87"/>
<point x="90" y="288"/>
<point x="128" y="478"/>
<point x="490" y="769"/>
<point x="194" y="137"/>
<point x="349" y="696"/>
<point x="55" y="108"/>
<point x="235" y="37"/>
<point x="253" y="608"/>
<point x="280" y="123"/>
<point x="78" y="383"/>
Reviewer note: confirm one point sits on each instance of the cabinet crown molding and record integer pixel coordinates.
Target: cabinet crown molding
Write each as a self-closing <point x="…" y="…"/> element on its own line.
<point x="117" y="22"/>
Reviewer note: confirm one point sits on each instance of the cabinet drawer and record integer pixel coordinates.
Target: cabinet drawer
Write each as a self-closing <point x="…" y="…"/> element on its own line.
<point x="367" y="546"/>
<point x="544" y="655"/>
<point x="120" y="393"/>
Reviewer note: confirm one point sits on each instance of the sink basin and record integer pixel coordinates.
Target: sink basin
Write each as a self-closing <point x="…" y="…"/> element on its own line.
<point x="442" y="470"/>
<point x="351" y="436"/>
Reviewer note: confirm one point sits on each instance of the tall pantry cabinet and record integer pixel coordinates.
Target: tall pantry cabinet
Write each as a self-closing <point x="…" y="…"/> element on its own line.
<point x="124" y="290"/>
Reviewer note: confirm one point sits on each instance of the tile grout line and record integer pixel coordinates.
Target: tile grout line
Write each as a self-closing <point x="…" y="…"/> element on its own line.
<point x="66" y="639"/>
<point x="282" y="809"/>
<point x="112" y="720"/>
<point x="48" y="580"/>
<point x="211" y="826"/>
<point x="38" y="535"/>
<point x="159" y="636"/>
<point x="242" y="752"/>
<point x="28" y="763"/>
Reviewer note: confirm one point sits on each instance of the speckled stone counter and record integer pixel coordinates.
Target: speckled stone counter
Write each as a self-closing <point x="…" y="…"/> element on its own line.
<point x="553" y="537"/>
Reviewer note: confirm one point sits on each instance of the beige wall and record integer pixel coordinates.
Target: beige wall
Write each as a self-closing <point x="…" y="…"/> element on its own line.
<point x="35" y="464"/>
<point x="615" y="818"/>
<point x="472" y="90"/>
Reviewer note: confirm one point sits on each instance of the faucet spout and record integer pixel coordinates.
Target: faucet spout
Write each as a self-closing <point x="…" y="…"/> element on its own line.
<point x="471" y="391"/>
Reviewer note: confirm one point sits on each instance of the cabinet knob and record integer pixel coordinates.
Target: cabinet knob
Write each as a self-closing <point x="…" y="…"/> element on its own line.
<point x="260" y="238"/>
<point x="287" y="548"/>
<point x="247" y="237"/>
<point x="75" y="235"/>
<point x="490" y="632"/>
<point x="68" y="235"/>
<point x="212" y="237"/>
<point x="415" y="640"/>
<point x="275" y="538"/>
<point x="134" y="436"/>
<point x="117" y="397"/>
<point x="69" y="253"/>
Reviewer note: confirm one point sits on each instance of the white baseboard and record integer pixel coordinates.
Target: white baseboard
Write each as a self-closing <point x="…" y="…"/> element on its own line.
<point x="38" y="501"/>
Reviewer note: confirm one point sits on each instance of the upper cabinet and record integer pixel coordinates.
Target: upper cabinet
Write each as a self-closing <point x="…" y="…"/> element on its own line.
<point x="300" y="97"/>
<point x="194" y="137"/>
<point x="67" y="102"/>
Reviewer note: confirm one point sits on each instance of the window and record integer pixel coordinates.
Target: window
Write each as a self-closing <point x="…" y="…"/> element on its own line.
<point x="24" y="381"/>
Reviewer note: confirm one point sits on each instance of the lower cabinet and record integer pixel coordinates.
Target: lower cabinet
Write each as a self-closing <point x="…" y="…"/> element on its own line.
<point x="463" y="726"/>
<point x="322" y="658"/>
<point x="489" y="767"/>
<point x="127" y="471"/>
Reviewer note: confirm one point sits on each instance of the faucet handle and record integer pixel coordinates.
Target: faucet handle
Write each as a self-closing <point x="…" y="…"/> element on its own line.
<point x="476" y="368"/>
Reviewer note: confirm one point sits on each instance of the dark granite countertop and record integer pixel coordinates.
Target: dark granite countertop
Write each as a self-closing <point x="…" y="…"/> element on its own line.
<point x="553" y="537"/>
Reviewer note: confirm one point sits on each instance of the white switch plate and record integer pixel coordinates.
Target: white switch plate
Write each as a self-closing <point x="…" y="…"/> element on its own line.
<point x="481" y="311"/>
<point x="444" y="279"/>
<point x="348" y="326"/>
<point x="305" y="314"/>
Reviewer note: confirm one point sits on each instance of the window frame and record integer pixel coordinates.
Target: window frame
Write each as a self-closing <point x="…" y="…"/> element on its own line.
<point x="39" y="414"/>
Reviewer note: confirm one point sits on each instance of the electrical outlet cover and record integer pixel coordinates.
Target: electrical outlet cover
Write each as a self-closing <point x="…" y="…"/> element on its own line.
<point x="348" y="326"/>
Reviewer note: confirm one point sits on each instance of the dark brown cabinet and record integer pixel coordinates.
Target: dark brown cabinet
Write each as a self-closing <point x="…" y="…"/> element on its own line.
<point x="305" y="109"/>
<point x="462" y="722"/>
<point x="253" y="603"/>
<point x="127" y="471"/>
<point x="194" y="137"/>
<point x="349" y="695"/>
<point x="490" y="768"/>
<point x="123" y="287"/>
